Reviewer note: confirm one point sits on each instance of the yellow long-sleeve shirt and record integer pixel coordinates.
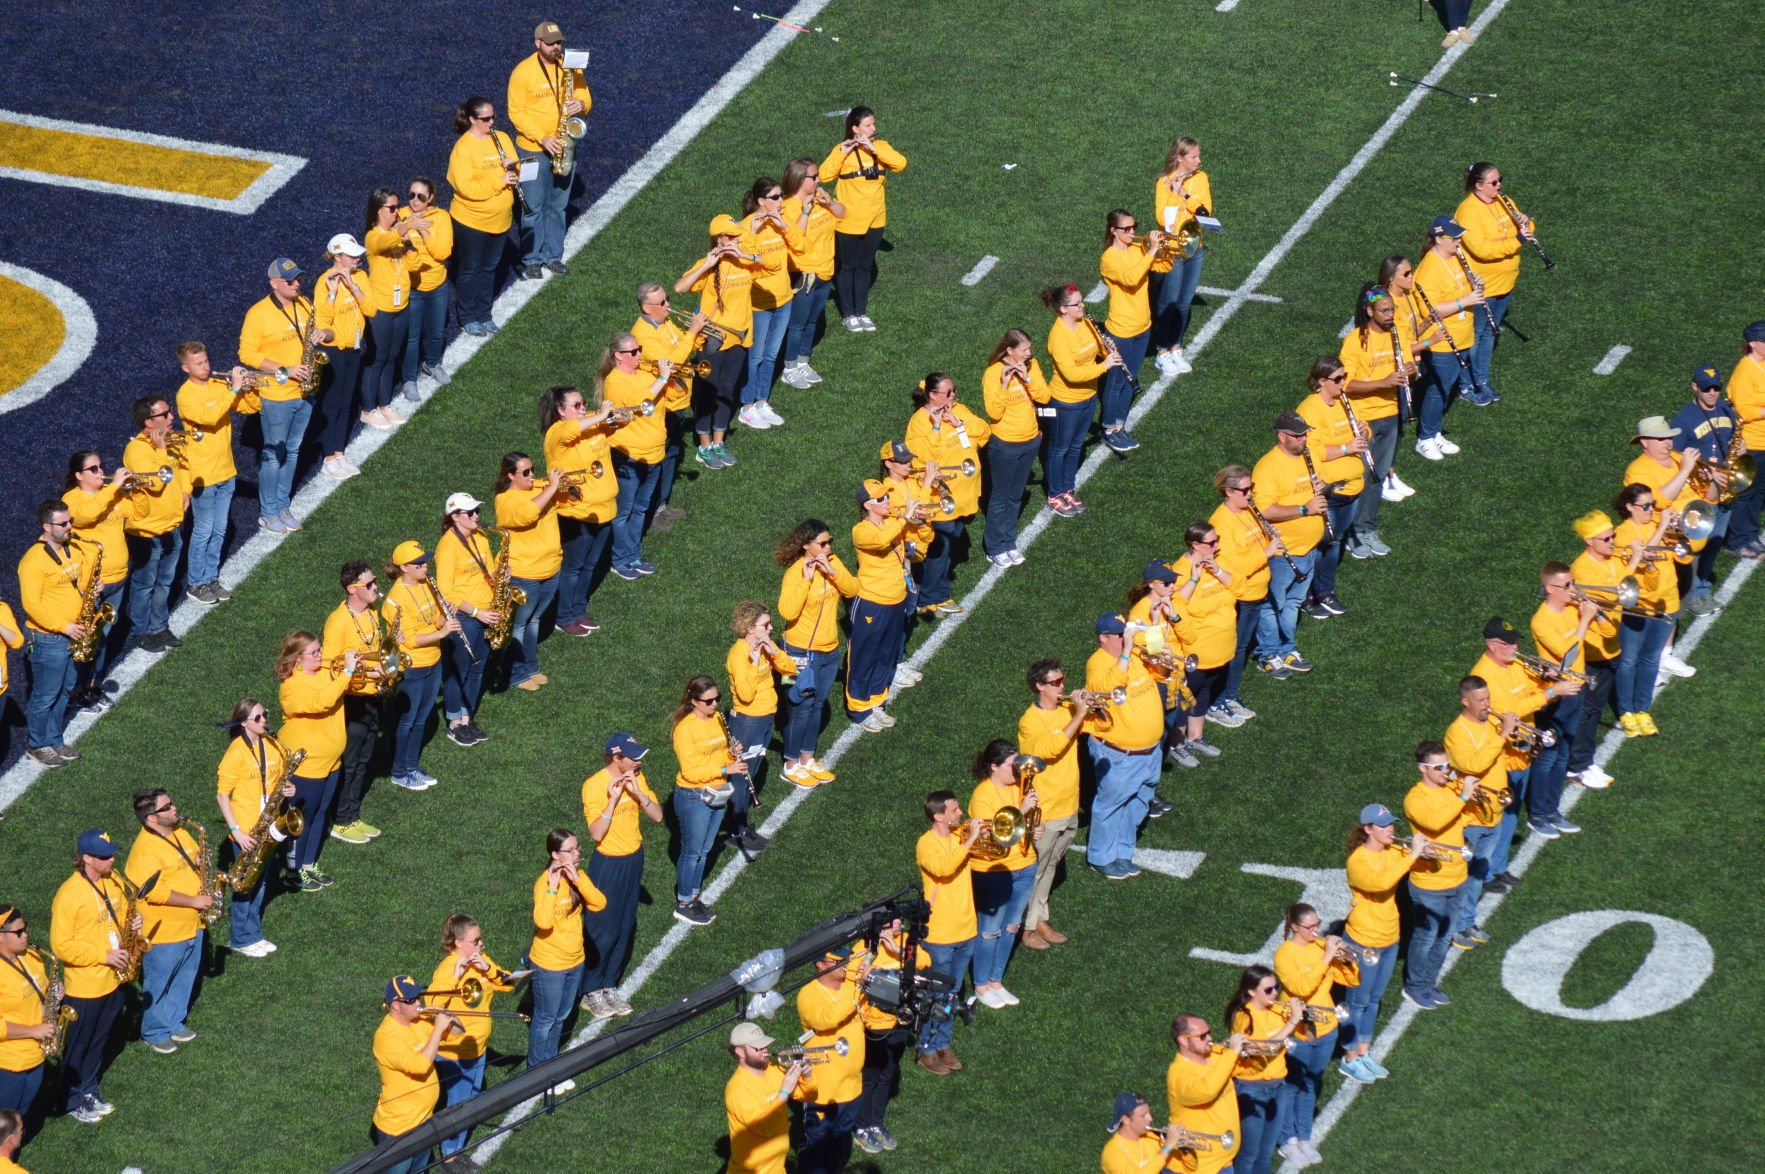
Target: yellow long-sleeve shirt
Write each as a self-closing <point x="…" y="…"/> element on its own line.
<point x="1077" y="359"/>
<point x="1512" y="689"/>
<point x="1746" y="395"/>
<point x="1438" y="813"/>
<point x="49" y="585"/>
<point x="1204" y="1100"/>
<point x="625" y="828"/>
<point x="1492" y="241"/>
<point x="1553" y="633"/>
<point x="1243" y="551"/>
<point x="1012" y="410"/>
<point x="243" y="780"/>
<point x="176" y="859"/>
<point x="207" y="408"/>
<point x="958" y="453"/>
<point x="1368" y="354"/>
<point x="344" y="308"/>
<point x="164" y="501"/>
<point x="645" y="438"/>
<point x="575" y="449"/>
<point x="535" y="549"/>
<point x="1127" y="273"/>
<point x="752" y="690"/>
<point x="1602" y="634"/>
<point x="1645" y="470"/>
<point x="1197" y="194"/>
<point x="701" y="749"/>
<point x="1303" y="974"/>
<point x="84" y="925"/>
<point x="772" y="281"/>
<point x="882" y="563"/>
<point x="726" y="297"/>
<point x="12" y="637"/>
<point x="944" y="864"/>
<point x="864" y="198"/>
<point x="21" y="1002"/>
<point x="1121" y="1156"/>
<point x="101" y="519"/>
<point x="408" y="1084"/>
<point x="536" y="100"/>
<point x="557" y="920"/>
<point x="810" y="605"/>
<point x="275" y="333"/>
<point x="1259" y="1024"/>
<point x="427" y="261"/>
<point x="450" y="973"/>
<point x="832" y="1014"/>
<point x="1210" y="614"/>
<point x="463" y="569"/>
<point x="1330" y="431"/>
<point x="1477" y="748"/>
<point x="1443" y="280"/>
<point x="816" y="255"/>
<point x="1284" y="480"/>
<point x="1137" y="724"/>
<point x="312" y="720"/>
<point x="1373" y="879"/>
<point x="389" y="281"/>
<point x="1042" y="732"/>
<point x="352" y="631"/>
<point x="482" y="201"/>
<point x="1660" y="585"/>
<point x="411" y="609"/>
<point x="759" y="1120"/>
<point x="665" y="340"/>
<point x="983" y="803"/>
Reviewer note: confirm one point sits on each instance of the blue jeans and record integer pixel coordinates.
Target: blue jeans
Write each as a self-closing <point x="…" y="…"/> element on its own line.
<point x="1259" y="1106"/>
<point x="463" y="683"/>
<point x="1441" y="377"/>
<point x="637" y="487"/>
<point x="1483" y="350"/>
<point x="524" y="636"/>
<point x="999" y="902"/>
<point x="1009" y="463"/>
<point x="806" y="310"/>
<point x="751" y="732"/>
<point x="1258" y="636"/>
<point x="1172" y="294"/>
<point x="340" y="401"/>
<point x="416" y="701"/>
<point x="554" y="999"/>
<point x="461" y="1080"/>
<point x="1117" y="395"/>
<point x="427" y="333"/>
<point x="1640" y="643"/>
<point x="476" y="258"/>
<point x="153" y="564"/>
<point x="1384" y="452"/>
<point x="765" y="339"/>
<point x="677" y="425"/>
<point x="245" y="916"/>
<point x="1330" y="553"/>
<point x="410" y="1166"/>
<point x="699" y="822"/>
<point x="388" y="329"/>
<point x="952" y="959"/>
<point x="1431" y="930"/>
<point x="548" y="196"/>
<point x="932" y="573"/>
<point x="1544" y="789"/>
<point x="284" y="426"/>
<point x="1306" y="1062"/>
<point x="1286" y="593"/>
<point x="1125" y="782"/>
<point x="827" y="1137"/>
<point x="166" y="982"/>
<point x="18" y="1090"/>
<point x="585" y="544"/>
<point x="1363" y="1000"/>
<point x="209" y="507"/>
<point x="1063" y="445"/>
<point x="620" y="880"/>
<point x="802" y="702"/>
<point x="52" y="682"/>
<point x="1481" y="841"/>
<point x="1510" y="820"/>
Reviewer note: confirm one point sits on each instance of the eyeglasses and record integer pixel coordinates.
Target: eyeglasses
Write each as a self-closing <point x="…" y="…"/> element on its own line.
<point x="1056" y="682"/>
<point x="527" y="472"/>
<point x="1246" y="488"/>
<point x="92" y="469"/>
<point x="166" y="808"/>
<point x="1208" y="1034"/>
<point x="258" y="717"/>
<point x="1214" y="541"/>
<point x="773" y="196"/>
<point x="1267" y="990"/>
<point x="16" y="930"/>
<point x="1310" y="927"/>
<point x="1494" y="183"/>
<point x="369" y="584"/>
<point x="1433" y="766"/>
<point x="158" y="414"/>
<point x="1644" y="505"/>
<point x="483" y="117"/>
<point x="713" y="699"/>
<point x="469" y="513"/>
<point x="1126" y="227"/>
<point x="60" y="525"/>
<point x="416" y="197"/>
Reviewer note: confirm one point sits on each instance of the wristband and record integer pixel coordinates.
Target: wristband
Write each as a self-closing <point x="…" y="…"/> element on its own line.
<point x="1302" y="510"/>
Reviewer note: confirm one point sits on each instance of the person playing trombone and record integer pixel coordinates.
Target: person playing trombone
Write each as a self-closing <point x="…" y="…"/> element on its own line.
<point x="405" y="1050"/>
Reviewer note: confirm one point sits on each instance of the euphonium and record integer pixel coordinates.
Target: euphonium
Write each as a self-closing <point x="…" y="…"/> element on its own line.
<point x="1737" y="463"/>
<point x="54" y="990"/>
<point x="1027" y="767"/>
<point x="94" y="615"/>
<point x="1004" y="832"/>
<point x="213" y="880"/>
<point x="276" y="824"/>
<point x="571" y="127"/>
<point x="505" y="597"/>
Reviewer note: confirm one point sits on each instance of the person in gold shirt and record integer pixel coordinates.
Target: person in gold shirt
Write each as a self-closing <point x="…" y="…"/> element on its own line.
<point x="156" y="536"/>
<point x="460" y="1060"/>
<point x="1002" y="881"/>
<point x="1447" y="298"/>
<point x="1338" y="445"/>
<point x="1049" y="730"/>
<point x="613" y="798"/>
<point x="1490" y="251"/>
<point x="1134" y="1145"/>
<point x="312" y="694"/>
<point x="1746" y="394"/>
<point x="1015" y="393"/>
<point x="274" y="339"/>
<point x="12" y="1139"/>
<point x="176" y="911"/>
<point x="52" y="577"/>
<point x="99" y="509"/>
<point x="391" y="255"/>
<point x="1376" y="869"/>
<point x="1438" y="808"/>
<point x="465" y="576"/>
<point x="1669" y="474"/>
<point x="343" y="308"/>
<point x="86" y="926"/>
<point x="809" y="595"/>
<point x="1153" y="631"/>
<point x="431" y="246"/>
<point x="24" y="981"/>
<point x="1204" y="595"/>
<point x="1561" y="630"/>
<point x="724" y="280"/>
<point x="885" y="1042"/>
<point x="751" y="664"/>
<point x="661" y="337"/>
<point x="483" y="172"/>
<point x="1259" y="1075"/>
<point x="756" y="1101"/>
<point x="1182" y="193"/>
<point x="827" y="1007"/>
<point x="946" y="433"/>
<point x="944" y="854"/>
<point x="1477" y="748"/>
<point x="814" y="212"/>
<point x="413" y="613"/>
<point x="207" y="405"/>
<point x="561" y="895"/>
<point x="1124" y="748"/>
<point x="710" y="772"/>
<point x="639" y="444"/>
<point x="1079" y="361"/>
<point x="859" y="165"/>
<point x="406" y="1045"/>
<point x="246" y="781"/>
<point x="576" y="442"/>
<point x="1248" y="548"/>
<point x="1297" y="507"/>
<point x="1126" y="267"/>
<point x="775" y="239"/>
<point x="527" y="513"/>
<point x="1645" y="631"/>
<point x="885" y="599"/>
<point x="1310" y="967"/>
<point x="1598" y="572"/>
<point x="546" y="102"/>
<point x="1199" y="1085"/>
<point x="1379" y="358"/>
<point x="355" y="626"/>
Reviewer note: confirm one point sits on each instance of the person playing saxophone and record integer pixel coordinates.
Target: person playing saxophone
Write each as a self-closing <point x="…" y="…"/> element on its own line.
<point x="175" y="920"/>
<point x="543" y="97"/>
<point x="254" y="768"/>
<point x="87" y="923"/>
<point x="24" y="989"/>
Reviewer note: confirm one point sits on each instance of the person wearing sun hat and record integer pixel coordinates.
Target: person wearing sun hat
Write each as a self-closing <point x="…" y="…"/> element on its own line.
<point x="412" y="610"/>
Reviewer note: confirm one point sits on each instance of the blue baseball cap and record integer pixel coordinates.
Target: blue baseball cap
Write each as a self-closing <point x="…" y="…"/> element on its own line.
<point x="1111" y="624"/>
<point x="1125" y="1103"/>
<point x="1754" y="332"/>
<point x="1158" y="571"/>
<point x="1378" y="815"/>
<point x="1446" y="226"/>
<point x="96" y="842"/>
<point x="1706" y="379"/>
<point x="630" y="747"/>
<point x="896" y="450"/>
<point x="283" y="269"/>
<point x="870" y="491"/>
<point x="403" y="986"/>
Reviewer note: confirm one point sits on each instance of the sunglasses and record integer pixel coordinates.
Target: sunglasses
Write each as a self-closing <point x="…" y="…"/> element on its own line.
<point x="711" y="700"/>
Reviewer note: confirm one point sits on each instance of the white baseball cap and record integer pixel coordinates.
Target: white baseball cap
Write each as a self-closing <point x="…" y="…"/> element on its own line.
<point x="344" y="243"/>
<point x="461" y="501"/>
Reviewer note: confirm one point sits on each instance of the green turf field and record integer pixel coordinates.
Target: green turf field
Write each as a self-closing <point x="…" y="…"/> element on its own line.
<point x="1629" y="138"/>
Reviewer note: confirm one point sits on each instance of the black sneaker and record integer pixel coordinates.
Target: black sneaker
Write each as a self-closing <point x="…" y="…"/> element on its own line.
<point x="752" y="842"/>
<point x="1158" y="807"/>
<point x="460" y="735"/>
<point x="1496" y="885"/>
<point x="1335" y="605"/>
<point x="1509" y="879"/>
<point x="694" y="912"/>
<point x="1316" y="610"/>
<point x="169" y="639"/>
<point x="153" y="642"/>
<point x="478" y="734"/>
<point x="558" y="267"/>
<point x="532" y="272"/>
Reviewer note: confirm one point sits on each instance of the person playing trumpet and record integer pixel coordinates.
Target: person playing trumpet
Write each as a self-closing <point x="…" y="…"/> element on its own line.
<point x="613" y="798"/>
<point x="207" y="405"/>
<point x="246" y="782"/>
<point x="1204" y="594"/>
<point x="751" y="664"/>
<point x="1124" y="748"/>
<point x="943" y="431"/>
<point x="1126" y="268"/>
<point x="756" y="1102"/>
<point x="1259" y="1077"/>
<point x="175" y="917"/>
<point x="544" y="93"/>
<point x="1562" y="629"/>
<point x="1309" y="967"/>
<point x="1477" y="748"/>
<point x="460" y="1059"/>
<point x="1049" y="730"/>
<point x="527" y="511"/>
<point x="1183" y="192"/>
<point x="431" y="247"/>
<point x="1598" y="573"/>
<point x="945" y="853"/>
<point x="406" y="1045"/>
<point x="1199" y="1083"/>
<point x="1002" y="882"/>
<point x="1644" y="632"/>
<point x="809" y="594"/>
<point x="1513" y="688"/>
<point x="1438" y="807"/>
<point x="724" y="280"/>
<point x="576" y="441"/>
<point x="156" y="535"/>
<point x="413" y="611"/>
<point x="1015" y="392"/>
<point x="1134" y="1145"/>
<point x="86" y="928"/>
<point x="311" y="697"/>
<point x="884" y="601"/>
<point x="1339" y="451"/>
<point x="24" y="980"/>
<point x="484" y="173"/>
<point x="1376" y="867"/>
<point x="661" y="337"/>
<point x="354" y="626"/>
<point x="1247" y="549"/>
<point x="98" y="509"/>
<point x="1669" y="474"/>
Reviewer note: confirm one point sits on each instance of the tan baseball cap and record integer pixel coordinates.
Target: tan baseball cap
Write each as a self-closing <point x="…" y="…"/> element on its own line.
<point x="549" y="32"/>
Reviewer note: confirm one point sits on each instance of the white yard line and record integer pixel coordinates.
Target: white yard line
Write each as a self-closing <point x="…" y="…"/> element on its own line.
<point x="1225" y="5"/>
<point x="981" y="268"/>
<point x="1610" y="363"/>
<point x="1214" y="292"/>
<point x="1097" y="294"/>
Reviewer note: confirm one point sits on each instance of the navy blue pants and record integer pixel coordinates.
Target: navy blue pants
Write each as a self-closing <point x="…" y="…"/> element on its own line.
<point x="610" y="930"/>
<point x="879" y="633"/>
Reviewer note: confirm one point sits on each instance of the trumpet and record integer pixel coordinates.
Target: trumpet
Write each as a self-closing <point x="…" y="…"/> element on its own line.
<point x="1435" y="850"/>
<point x="1265" y="1047"/>
<point x="1316" y="1014"/>
<point x="1528" y="738"/>
<point x="571" y="483"/>
<point x="702" y="368"/>
<point x="785" y="1057"/>
<point x="1179" y="1138"/>
<point x="178" y="440"/>
<point x="1491" y="800"/>
<point x="1097" y="699"/>
<point x="1550" y="670"/>
<point x="136" y="482"/>
<point x="1362" y="955"/>
<point x="946" y="500"/>
<point x="1167" y="660"/>
<point x="715" y="335"/>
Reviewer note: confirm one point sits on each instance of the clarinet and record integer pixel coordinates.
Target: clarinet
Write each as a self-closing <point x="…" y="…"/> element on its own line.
<point x="1269" y="533"/>
<point x="1403" y="380"/>
<point x="1464" y="365"/>
<point x="1318" y="487"/>
<point x="1106" y="345"/>
<point x="1529" y="237"/>
<point x="736" y="753"/>
<point x="1357" y="428"/>
<point x="1477" y="284"/>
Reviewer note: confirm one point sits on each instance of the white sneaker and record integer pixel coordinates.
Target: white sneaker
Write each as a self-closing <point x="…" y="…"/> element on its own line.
<point x="1181" y="365"/>
<point x="789" y="375"/>
<point x="1429" y="449"/>
<point x="1011" y="1000"/>
<point x="772" y="417"/>
<point x="753" y="419"/>
<point x="873" y="723"/>
<point x="807" y="373"/>
<point x="884" y="716"/>
<point x="1391" y="492"/>
<point x="1016" y="556"/>
<point x="1166" y="365"/>
<point x="1594" y="778"/>
<point x="993" y="997"/>
<point x="1397" y="484"/>
<point x="1002" y="560"/>
<point x="865" y="323"/>
<point x="853" y="323"/>
<point x="1672" y="664"/>
<point x="566" y="1086"/>
<point x="258" y="949"/>
<point x="1291" y="1151"/>
<point x="339" y="469"/>
<point x="1445" y="445"/>
<point x="907" y="676"/>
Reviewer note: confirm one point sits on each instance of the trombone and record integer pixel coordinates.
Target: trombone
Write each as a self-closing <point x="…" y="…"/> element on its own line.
<point x="1550" y="670"/>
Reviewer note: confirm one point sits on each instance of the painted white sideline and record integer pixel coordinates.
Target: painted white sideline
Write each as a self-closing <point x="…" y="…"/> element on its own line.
<point x="981" y="268"/>
<point x="1610" y="363"/>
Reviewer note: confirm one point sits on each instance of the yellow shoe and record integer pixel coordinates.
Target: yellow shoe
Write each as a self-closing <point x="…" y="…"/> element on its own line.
<point x="541" y="678"/>
<point x="1645" y="725"/>
<point x="819" y="771"/>
<point x="1627" y="722"/>
<point x="531" y="684"/>
<point x="799" y="776"/>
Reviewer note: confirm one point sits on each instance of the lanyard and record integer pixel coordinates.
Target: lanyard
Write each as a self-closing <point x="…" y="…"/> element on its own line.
<point x="105" y="897"/>
<point x="466" y="541"/>
<point x="179" y="849"/>
<point x="26" y="974"/>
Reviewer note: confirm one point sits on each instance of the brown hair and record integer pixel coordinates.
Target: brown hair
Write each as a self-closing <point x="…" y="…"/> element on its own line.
<point x="294" y="645"/>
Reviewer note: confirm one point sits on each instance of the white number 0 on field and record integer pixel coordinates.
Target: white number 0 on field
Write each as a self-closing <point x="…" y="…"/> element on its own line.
<point x="1677" y="964"/>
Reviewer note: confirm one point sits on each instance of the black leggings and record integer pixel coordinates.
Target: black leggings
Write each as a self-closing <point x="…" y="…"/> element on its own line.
<point x="714" y="398"/>
<point x="854" y="261"/>
<point x="337" y="397"/>
<point x="882" y="1073"/>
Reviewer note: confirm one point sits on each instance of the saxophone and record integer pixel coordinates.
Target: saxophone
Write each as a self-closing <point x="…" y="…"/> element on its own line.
<point x="311" y="357"/>
<point x="571" y="127"/>
<point x="53" y="1012"/>
<point x="93" y="614"/>
<point x="129" y="939"/>
<point x="505" y="597"/>
<point x="212" y="881"/>
<point x="276" y="823"/>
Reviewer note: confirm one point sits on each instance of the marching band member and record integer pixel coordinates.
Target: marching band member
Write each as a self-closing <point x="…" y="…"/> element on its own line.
<point x="343" y="307"/>
<point x="885" y="1042"/>
<point x="1014" y="391"/>
<point x="1199" y="1085"/>
<point x="156" y="535"/>
<point x="1182" y="192"/>
<point x="1448" y="299"/>
<point x="1746" y="392"/>
<point x="1079" y="362"/>
<point x="86" y="933"/>
<point x="1297" y="508"/>
<point x="1599" y="565"/>
<point x="949" y="434"/>
<point x="860" y="165"/>
<point x="460" y="1060"/>
<point x="576" y="441"/>
<point x="1453" y="15"/>
<point x="244" y="781"/>
<point x="413" y="613"/>
<point x="774" y="240"/>
<point x="12" y="1139"/>
<point x="1561" y="630"/>
<point x="1001" y="886"/>
<point x="809" y="594"/>
<point x="1514" y="689"/>
<point x="561" y="895"/>
<point x="1492" y="243"/>
<point x="98" y="509"/>
<point x="660" y="338"/>
<point x="1126" y="267"/>
<point x="431" y="245"/>
<point x="1132" y="1144"/>
<point x="542" y="95"/>
<point x="405" y="1051"/>
<point x="312" y="696"/>
<point x="814" y="212"/>
<point x="1209" y="629"/>
<point x="207" y="405"/>
<point x="1706" y="427"/>
<point x="827" y="1007"/>
<point x="529" y="517"/>
<point x="1669" y="475"/>
<point x="1477" y="748"/>
<point x="1309" y="968"/>
<point x="1339" y="451"/>
<point x="756" y="1102"/>
<point x="273" y="340"/>
<point x="944" y="854"/>
<point x="354" y="626"/>
<point x="1154" y="629"/>
<point x="483" y="172"/>
<point x="52" y="578"/>
<point x="1379" y="389"/>
<point x="702" y="790"/>
<point x="23" y="983"/>
<point x="724" y="280"/>
<point x="1438" y="811"/>
<point x="612" y="799"/>
<point x="1049" y="729"/>
<point x="1376" y="867"/>
<point x="387" y="240"/>
<point x="12" y="639"/>
<point x="883" y="603"/>
<point x="1124" y="748"/>
<point x="1641" y="639"/>
<point x="1260" y="1081"/>
<point x="1247" y="551"/>
<point x="175" y="918"/>
<point x="463" y="574"/>
<point x="750" y="664"/>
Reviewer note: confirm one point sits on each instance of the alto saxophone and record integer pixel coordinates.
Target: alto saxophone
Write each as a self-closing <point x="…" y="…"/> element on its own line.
<point x="311" y="357"/>
<point x="212" y="881"/>
<point x="53" y="991"/>
<point x="130" y="940"/>
<point x="571" y="127"/>
<point x="93" y="614"/>
<point x="276" y="824"/>
<point x="505" y="597"/>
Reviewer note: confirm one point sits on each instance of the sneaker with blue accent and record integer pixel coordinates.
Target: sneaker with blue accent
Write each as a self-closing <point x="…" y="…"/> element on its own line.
<point x="724" y="456"/>
<point x="1113" y="870"/>
<point x="1377" y="1069"/>
<point x="272" y="523"/>
<point x="644" y="567"/>
<point x="1357" y="1069"/>
<point x="1565" y="825"/>
<point x="1421" y="1000"/>
<point x="626" y="571"/>
<point x="1439" y="997"/>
